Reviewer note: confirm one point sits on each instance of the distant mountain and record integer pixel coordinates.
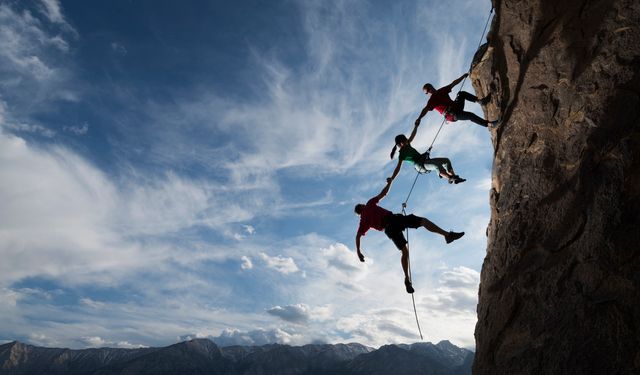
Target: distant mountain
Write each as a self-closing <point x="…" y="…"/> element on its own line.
<point x="201" y="356"/>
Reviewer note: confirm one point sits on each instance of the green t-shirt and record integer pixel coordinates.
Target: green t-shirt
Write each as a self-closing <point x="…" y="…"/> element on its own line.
<point x="409" y="153"/>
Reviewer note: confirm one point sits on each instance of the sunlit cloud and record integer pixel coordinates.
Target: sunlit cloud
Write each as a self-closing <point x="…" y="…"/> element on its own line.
<point x="279" y="263"/>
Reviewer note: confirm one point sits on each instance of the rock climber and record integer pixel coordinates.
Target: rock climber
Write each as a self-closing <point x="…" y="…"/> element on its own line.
<point x="378" y="218"/>
<point x="422" y="162"/>
<point x="453" y="110"/>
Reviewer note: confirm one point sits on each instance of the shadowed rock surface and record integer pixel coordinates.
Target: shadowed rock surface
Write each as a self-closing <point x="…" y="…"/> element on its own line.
<point x="560" y="284"/>
<point x="202" y="356"/>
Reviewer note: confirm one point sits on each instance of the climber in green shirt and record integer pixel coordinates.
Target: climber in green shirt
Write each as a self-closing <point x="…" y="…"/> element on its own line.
<point x="422" y="162"/>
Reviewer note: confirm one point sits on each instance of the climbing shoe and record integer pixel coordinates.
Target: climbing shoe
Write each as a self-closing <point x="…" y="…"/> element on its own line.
<point x="452" y="236"/>
<point x="493" y="124"/>
<point x="485" y="100"/>
<point x="407" y="284"/>
<point x="457" y="179"/>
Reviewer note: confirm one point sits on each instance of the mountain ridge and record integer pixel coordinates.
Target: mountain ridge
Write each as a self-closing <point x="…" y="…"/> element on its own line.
<point x="203" y="356"/>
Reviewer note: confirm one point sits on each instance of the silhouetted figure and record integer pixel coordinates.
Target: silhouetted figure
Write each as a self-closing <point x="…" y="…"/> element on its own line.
<point x="453" y="110"/>
<point x="376" y="217"/>
<point x="422" y="162"/>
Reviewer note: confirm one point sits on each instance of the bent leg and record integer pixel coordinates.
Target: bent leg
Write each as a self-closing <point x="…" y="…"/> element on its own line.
<point x="463" y="115"/>
<point x="444" y="164"/>
<point x="463" y="95"/>
<point x="435" y="164"/>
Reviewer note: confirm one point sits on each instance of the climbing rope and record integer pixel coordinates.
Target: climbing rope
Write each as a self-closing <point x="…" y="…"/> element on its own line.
<point x="404" y="204"/>
<point x="413" y="299"/>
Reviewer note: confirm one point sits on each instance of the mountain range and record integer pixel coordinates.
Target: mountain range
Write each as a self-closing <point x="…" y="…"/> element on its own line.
<point x="202" y="356"/>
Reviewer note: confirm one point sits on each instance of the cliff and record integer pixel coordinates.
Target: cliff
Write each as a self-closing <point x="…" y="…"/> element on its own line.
<point x="560" y="284"/>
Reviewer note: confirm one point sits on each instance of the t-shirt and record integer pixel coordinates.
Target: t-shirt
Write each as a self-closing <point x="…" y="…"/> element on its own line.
<point x="372" y="216"/>
<point x="440" y="101"/>
<point x="410" y="154"/>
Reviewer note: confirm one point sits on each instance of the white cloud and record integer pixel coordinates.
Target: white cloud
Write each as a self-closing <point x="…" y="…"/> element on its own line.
<point x="298" y="314"/>
<point x="41" y="339"/>
<point x="95" y="341"/>
<point x="82" y="226"/>
<point x="247" y="230"/>
<point x="460" y="277"/>
<point x="258" y="337"/>
<point x="99" y="342"/>
<point x="246" y="263"/>
<point x="128" y="345"/>
<point x="284" y="265"/>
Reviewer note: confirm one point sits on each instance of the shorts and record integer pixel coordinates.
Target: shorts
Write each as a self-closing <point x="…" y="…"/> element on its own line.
<point x="396" y="223"/>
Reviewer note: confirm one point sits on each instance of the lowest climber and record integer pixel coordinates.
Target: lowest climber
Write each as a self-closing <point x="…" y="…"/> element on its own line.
<point x="376" y="217"/>
<point x="423" y="163"/>
<point x="453" y="110"/>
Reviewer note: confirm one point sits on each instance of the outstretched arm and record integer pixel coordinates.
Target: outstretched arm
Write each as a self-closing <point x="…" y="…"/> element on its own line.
<point x="395" y="171"/>
<point x="385" y="190"/>
<point x="413" y="133"/>
<point x="452" y="84"/>
<point x="360" y="255"/>
<point x="422" y="114"/>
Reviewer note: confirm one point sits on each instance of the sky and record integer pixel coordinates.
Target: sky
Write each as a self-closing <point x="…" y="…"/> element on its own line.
<point x="173" y="170"/>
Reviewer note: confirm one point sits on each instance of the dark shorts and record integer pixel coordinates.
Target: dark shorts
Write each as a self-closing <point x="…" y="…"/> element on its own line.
<point x="396" y="223"/>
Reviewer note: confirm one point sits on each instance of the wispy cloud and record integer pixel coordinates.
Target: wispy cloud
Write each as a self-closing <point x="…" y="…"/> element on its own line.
<point x="31" y="128"/>
<point x="36" y="68"/>
<point x="77" y="130"/>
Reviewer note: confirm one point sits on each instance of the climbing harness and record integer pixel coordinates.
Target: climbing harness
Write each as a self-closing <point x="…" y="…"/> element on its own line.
<point x="404" y="204"/>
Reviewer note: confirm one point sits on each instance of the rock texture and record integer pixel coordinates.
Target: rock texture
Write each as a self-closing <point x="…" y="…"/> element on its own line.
<point x="560" y="284"/>
<point x="202" y="356"/>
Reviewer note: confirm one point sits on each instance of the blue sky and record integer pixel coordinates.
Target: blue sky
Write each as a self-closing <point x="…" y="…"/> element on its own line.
<point x="173" y="170"/>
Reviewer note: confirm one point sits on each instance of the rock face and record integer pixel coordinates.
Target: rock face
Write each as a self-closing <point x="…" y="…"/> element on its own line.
<point x="202" y="356"/>
<point x="560" y="284"/>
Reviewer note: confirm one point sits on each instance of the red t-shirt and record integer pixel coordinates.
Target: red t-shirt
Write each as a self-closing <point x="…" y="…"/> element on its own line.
<point x="440" y="101"/>
<point x="372" y="216"/>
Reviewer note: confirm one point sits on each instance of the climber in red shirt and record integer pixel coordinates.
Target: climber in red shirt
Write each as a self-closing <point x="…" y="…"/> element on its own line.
<point x="453" y="110"/>
<point x="376" y="217"/>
